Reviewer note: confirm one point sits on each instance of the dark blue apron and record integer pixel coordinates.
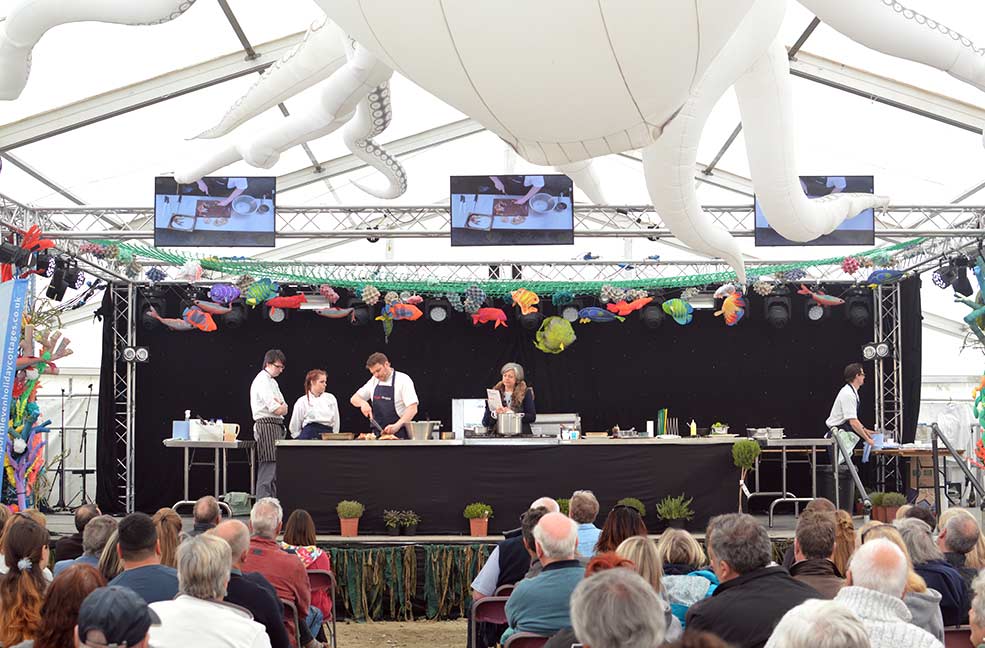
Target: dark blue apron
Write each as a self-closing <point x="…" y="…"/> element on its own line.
<point x="385" y="407"/>
<point x="314" y="431"/>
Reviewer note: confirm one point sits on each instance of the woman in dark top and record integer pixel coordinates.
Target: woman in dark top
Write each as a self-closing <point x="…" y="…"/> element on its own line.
<point x="516" y="396"/>
<point x="621" y="523"/>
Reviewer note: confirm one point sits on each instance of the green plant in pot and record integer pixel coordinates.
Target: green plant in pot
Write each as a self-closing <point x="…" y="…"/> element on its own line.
<point x="744" y="455"/>
<point x="409" y="521"/>
<point x="675" y="511"/>
<point x="391" y="520"/>
<point x="563" y="503"/>
<point x="478" y="515"/>
<point x="634" y="503"/>
<point x="878" y="510"/>
<point x="349" y="513"/>
<point x="890" y="505"/>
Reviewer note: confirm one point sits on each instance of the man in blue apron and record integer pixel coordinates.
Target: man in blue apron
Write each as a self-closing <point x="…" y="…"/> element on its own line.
<point x="844" y="412"/>
<point x="388" y="398"/>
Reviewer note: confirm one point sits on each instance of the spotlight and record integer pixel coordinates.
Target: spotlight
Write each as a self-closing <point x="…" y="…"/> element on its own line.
<point x="438" y="310"/>
<point x="275" y="314"/>
<point x="44" y="264"/>
<point x="136" y="354"/>
<point x="74" y="278"/>
<point x="879" y="350"/>
<point x="14" y="254"/>
<point x="858" y="307"/>
<point x="961" y="284"/>
<point x="235" y="318"/>
<point x="944" y="276"/>
<point x="652" y="316"/>
<point x="869" y="351"/>
<point x="884" y="349"/>
<point x="778" y="307"/>
<point x="57" y="286"/>
<point x="143" y="354"/>
<point x="531" y="321"/>
<point x="813" y="311"/>
<point x="570" y="310"/>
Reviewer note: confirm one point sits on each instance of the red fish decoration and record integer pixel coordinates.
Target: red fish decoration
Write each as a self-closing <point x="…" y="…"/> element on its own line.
<point x="484" y="315"/>
<point x="294" y="301"/>
<point x="623" y="308"/>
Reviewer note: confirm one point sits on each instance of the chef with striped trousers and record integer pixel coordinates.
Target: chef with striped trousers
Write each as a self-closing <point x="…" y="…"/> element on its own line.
<point x="269" y="409"/>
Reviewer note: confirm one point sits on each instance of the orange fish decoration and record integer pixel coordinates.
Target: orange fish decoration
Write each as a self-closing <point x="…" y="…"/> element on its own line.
<point x="623" y="308"/>
<point x="199" y="319"/>
<point x="733" y="308"/>
<point x="484" y="315"/>
<point x="525" y="299"/>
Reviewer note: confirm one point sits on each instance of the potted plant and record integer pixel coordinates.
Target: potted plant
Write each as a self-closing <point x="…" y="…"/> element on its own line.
<point x="409" y="521"/>
<point x="675" y="510"/>
<point x="878" y="510"/>
<point x="563" y="503"/>
<point x="890" y="505"/>
<point x="478" y="515"/>
<point x="744" y="455"/>
<point x="349" y="513"/>
<point x="392" y="521"/>
<point x="635" y="503"/>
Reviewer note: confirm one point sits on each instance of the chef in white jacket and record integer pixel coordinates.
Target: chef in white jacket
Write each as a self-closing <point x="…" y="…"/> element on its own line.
<point x="315" y="412"/>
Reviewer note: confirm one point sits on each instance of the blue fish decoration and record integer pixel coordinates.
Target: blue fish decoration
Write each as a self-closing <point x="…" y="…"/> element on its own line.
<point x="598" y="315"/>
<point x="680" y="310"/>
<point x="883" y="277"/>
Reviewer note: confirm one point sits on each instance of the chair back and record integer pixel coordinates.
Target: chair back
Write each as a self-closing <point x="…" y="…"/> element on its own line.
<point x="322" y="580"/>
<point x="959" y="637"/>
<point x="291" y="614"/>
<point x="525" y="640"/>
<point x="491" y="609"/>
<point x="505" y="590"/>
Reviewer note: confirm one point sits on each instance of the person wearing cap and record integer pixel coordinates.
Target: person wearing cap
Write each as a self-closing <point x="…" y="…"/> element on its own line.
<point x="516" y="396"/>
<point x="114" y="617"/>
<point x="198" y="616"/>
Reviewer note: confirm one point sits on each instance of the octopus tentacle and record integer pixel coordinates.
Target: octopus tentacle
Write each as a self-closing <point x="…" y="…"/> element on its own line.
<point x="371" y="118"/>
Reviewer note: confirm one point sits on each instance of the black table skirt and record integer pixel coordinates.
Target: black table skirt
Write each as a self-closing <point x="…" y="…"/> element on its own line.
<point x="438" y="482"/>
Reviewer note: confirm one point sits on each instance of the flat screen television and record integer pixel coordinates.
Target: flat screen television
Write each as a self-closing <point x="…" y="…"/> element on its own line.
<point x="215" y="212"/>
<point x="858" y="230"/>
<point x="512" y="210"/>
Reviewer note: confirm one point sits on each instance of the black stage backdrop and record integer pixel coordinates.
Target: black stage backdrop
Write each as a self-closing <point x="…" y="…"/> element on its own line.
<point x="750" y="375"/>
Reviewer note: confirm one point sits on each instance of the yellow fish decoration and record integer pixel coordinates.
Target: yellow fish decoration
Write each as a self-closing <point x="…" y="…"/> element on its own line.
<point x="525" y="299"/>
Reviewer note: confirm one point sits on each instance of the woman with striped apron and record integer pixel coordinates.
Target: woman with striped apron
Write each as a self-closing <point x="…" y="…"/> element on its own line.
<point x="269" y="408"/>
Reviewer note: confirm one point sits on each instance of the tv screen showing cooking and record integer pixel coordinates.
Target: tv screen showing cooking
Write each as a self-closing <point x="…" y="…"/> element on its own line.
<point x="215" y="212"/>
<point x="512" y="210"/>
<point x="858" y="230"/>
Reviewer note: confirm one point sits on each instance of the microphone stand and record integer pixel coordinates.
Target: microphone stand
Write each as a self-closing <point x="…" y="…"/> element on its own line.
<point x="60" y="506"/>
<point x="82" y="449"/>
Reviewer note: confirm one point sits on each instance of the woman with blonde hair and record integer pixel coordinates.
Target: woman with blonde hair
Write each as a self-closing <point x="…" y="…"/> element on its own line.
<point x="22" y="587"/>
<point x="844" y="540"/>
<point x="642" y="552"/>
<point x="168" y="525"/>
<point x="680" y="553"/>
<point x="109" y="561"/>
<point x="685" y="581"/>
<point x="923" y="602"/>
<point x="976" y="557"/>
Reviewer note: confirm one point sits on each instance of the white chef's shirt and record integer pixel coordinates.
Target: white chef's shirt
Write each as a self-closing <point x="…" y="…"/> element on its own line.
<point x="322" y="409"/>
<point x="404" y="393"/>
<point x="533" y="181"/>
<point x="845" y="407"/>
<point x="265" y="396"/>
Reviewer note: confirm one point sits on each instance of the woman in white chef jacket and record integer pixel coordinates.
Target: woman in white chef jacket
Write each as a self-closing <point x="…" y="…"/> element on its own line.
<point x="315" y="412"/>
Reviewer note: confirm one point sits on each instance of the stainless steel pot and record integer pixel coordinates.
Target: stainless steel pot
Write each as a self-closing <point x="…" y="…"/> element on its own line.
<point x="510" y="424"/>
<point x="421" y="430"/>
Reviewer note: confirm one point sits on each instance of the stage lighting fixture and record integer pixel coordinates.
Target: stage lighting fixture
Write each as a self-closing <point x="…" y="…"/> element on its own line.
<point x="961" y="283"/>
<point x="74" y="278"/>
<point x="235" y="318"/>
<point x="14" y="254"/>
<point x="151" y="298"/>
<point x="652" y="316"/>
<point x="274" y="314"/>
<point x="44" y="264"/>
<point x="777" y="306"/>
<point x="883" y="349"/>
<point x="136" y="354"/>
<point x="813" y="311"/>
<point x="869" y="351"/>
<point x="438" y="310"/>
<point x="57" y="286"/>
<point x="858" y="307"/>
<point x="570" y="310"/>
<point x="531" y="321"/>
<point x="874" y="350"/>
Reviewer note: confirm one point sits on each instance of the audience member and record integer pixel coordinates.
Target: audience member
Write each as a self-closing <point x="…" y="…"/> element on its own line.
<point x="814" y="545"/>
<point x="901" y="511"/>
<point x="923" y="603"/>
<point x="752" y="596"/>
<point x="642" y="552"/>
<point x="198" y="617"/>
<point x="510" y="561"/>
<point x="818" y="504"/>
<point x="695" y="639"/>
<point x="15" y="519"/>
<point x="140" y="553"/>
<point x="94" y="538"/>
<point x="974" y="558"/>
<point x="976" y="616"/>
<point x="70" y="547"/>
<point x="300" y="539"/>
<point x="284" y="571"/>
<point x="541" y="604"/>
<point x="622" y="522"/>
<point x="875" y="584"/>
<point x="60" y="610"/>
<point x="109" y="560"/>
<point x="686" y="579"/>
<point x="845" y="540"/>
<point x="251" y="591"/>
<point x="22" y="587"/>
<point x="206" y="515"/>
<point x="114" y="616"/>
<point x="959" y="534"/>
<point x="583" y="508"/>
<point x="819" y="624"/>
<point x="36" y="515"/>
<point x="922" y="512"/>
<point x="168" y="524"/>
<point x="616" y="609"/>
<point x="928" y="561"/>
<point x="5" y="514"/>
<point x="528" y="522"/>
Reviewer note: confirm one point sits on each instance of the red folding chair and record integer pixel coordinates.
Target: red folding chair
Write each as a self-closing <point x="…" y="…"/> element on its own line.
<point x="959" y="637"/>
<point x="491" y="609"/>
<point x="323" y="580"/>
<point x="525" y="640"/>
<point x="504" y="590"/>
<point x="291" y="612"/>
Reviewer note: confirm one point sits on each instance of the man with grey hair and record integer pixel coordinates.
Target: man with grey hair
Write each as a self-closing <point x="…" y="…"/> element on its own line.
<point x="616" y="608"/>
<point x="283" y="570"/>
<point x="929" y="563"/>
<point x="94" y="537"/>
<point x="752" y="596"/>
<point x="819" y="624"/>
<point x="874" y="590"/>
<point x="197" y="616"/>
<point x="251" y="591"/>
<point x="583" y="508"/>
<point x="541" y="604"/>
<point x="958" y="536"/>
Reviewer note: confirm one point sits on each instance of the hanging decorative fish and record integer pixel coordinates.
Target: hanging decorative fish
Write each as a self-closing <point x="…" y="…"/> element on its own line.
<point x="199" y="319"/>
<point x="260" y="291"/>
<point x="525" y="299"/>
<point x="625" y="308"/>
<point x="680" y="310"/>
<point x="820" y="298"/>
<point x="883" y="276"/>
<point x="733" y="309"/>
<point x="337" y="313"/>
<point x="597" y="315"/>
<point x="170" y="322"/>
<point x="211" y="307"/>
<point x="224" y="293"/>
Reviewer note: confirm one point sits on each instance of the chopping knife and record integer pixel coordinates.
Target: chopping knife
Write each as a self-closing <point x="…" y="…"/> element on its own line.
<point x="376" y="426"/>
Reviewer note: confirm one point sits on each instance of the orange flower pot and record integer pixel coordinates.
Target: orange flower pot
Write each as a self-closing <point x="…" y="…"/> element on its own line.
<point x="350" y="527"/>
<point x="479" y="527"/>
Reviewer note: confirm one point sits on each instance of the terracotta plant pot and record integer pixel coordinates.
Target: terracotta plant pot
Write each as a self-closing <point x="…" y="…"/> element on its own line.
<point x="350" y="527"/>
<point x="879" y="513"/>
<point x="479" y="527"/>
<point x="890" y="513"/>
